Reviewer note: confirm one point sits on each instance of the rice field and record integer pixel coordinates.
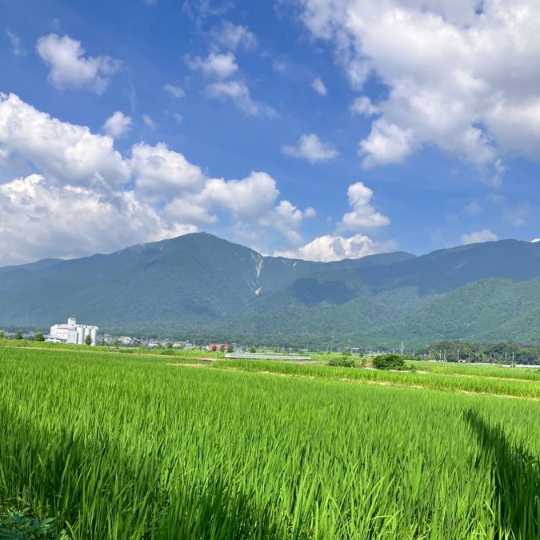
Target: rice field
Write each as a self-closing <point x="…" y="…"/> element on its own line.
<point x="112" y="446"/>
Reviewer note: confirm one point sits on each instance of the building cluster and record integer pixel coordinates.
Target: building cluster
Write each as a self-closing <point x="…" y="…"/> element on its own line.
<point x="77" y="334"/>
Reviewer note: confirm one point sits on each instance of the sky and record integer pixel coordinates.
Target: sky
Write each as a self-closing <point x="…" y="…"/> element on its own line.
<point x="318" y="129"/>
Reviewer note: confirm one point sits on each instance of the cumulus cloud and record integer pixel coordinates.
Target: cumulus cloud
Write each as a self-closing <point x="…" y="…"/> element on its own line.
<point x="477" y="237"/>
<point x="84" y="188"/>
<point x="61" y="151"/>
<point x="162" y="172"/>
<point x="310" y="147"/>
<point x="363" y="215"/>
<point x="233" y="37"/>
<point x="331" y="247"/>
<point x="239" y="94"/>
<point x="462" y="78"/>
<point x="364" y="106"/>
<point x="175" y="91"/>
<point x="319" y="87"/>
<point x="43" y="220"/>
<point x="535" y="240"/>
<point x="117" y="125"/>
<point x="71" y="69"/>
<point x="220" y="66"/>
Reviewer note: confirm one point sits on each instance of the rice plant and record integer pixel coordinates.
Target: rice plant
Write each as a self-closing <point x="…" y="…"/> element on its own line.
<point x="116" y="447"/>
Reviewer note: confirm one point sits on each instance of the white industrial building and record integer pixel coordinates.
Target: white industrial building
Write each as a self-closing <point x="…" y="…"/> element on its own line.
<point x="72" y="333"/>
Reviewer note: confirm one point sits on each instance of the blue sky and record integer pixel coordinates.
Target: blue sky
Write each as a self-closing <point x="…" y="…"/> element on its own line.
<point x="314" y="128"/>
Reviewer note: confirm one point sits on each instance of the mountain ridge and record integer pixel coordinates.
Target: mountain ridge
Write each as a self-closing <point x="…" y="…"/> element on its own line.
<point x="199" y="283"/>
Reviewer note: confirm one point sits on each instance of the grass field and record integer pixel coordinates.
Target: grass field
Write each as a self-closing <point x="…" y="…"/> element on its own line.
<point x="128" y="446"/>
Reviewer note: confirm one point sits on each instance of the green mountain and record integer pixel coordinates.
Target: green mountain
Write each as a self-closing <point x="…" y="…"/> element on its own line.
<point x="201" y="284"/>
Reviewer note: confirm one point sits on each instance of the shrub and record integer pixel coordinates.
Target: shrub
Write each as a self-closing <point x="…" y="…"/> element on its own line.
<point x="388" y="361"/>
<point x="341" y="362"/>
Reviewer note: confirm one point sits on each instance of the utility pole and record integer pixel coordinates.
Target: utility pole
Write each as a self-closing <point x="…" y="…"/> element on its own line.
<point x="458" y="354"/>
<point x="402" y="348"/>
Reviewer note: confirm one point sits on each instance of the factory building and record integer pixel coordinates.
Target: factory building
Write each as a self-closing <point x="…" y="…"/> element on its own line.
<point x="72" y="333"/>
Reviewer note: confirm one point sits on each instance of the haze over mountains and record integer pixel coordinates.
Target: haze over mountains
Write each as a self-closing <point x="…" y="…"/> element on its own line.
<point x="201" y="284"/>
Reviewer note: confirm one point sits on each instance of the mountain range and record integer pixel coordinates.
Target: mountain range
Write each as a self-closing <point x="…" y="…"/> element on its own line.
<point x="199" y="284"/>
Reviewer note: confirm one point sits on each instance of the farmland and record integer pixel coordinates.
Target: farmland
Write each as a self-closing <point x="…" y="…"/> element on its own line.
<point x="131" y="446"/>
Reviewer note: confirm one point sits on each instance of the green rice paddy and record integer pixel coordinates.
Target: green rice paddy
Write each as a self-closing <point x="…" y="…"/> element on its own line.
<point x="113" y="446"/>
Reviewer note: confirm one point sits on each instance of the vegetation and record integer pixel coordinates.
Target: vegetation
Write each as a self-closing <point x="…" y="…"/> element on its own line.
<point x="388" y="361"/>
<point x="506" y="352"/>
<point x="481" y="293"/>
<point x="122" y="447"/>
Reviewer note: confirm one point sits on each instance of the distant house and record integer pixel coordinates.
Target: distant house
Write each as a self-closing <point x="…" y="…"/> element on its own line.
<point x="218" y="346"/>
<point x="72" y="333"/>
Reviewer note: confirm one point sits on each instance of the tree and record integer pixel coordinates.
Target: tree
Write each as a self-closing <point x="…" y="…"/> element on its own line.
<point x="169" y="345"/>
<point x="252" y="350"/>
<point x="388" y="361"/>
<point x="18" y="335"/>
<point x="1" y="334"/>
<point x="88" y="339"/>
<point x="39" y="337"/>
<point x="214" y="348"/>
<point x="115" y="342"/>
<point x="230" y="349"/>
<point x="102" y="342"/>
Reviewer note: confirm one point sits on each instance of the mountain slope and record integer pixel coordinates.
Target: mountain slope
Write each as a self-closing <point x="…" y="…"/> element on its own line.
<point x="200" y="283"/>
<point x="182" y="283"/>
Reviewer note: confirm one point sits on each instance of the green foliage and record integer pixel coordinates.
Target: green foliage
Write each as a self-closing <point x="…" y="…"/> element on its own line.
<point x="252" y="350"/>
<point x="230" y="348"/>
<point x="341" y="362"/>
<point x="39" y="337"/>
<point x="388" y="361"/>
<point x="88" y="340"/>
<point x="21" y="526"/>
<point x="169" y="345"/>
<point x="18" y="335"/>
<point x="102" y="445"/>
<point x="505" y="352"/>
<point x="1" y="334"/>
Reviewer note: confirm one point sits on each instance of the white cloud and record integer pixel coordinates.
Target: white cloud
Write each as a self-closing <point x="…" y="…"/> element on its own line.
<point x="63" y="152"/>
<point x="331" y="247"/>
<point x="16" y="45"/>
<point x="386" y="144"/>
<point x="363" y="214"/>
<point x="478" y="237"/>
<point x="178" y="118"/>
<point x="233" y="37"/>
<point x="42" y="220"/>
<point x="83" y="188"/>
<point x="117" y="125"/>
<point x="70" y="69"/>
<point x="239" y="94"/>
<point x="460" y="78"/>
<point x="319" y="87"/>
<point x="175" y="91"/>
<point x="535" y="240"/>
<point x="163" y="172"/>
<point x="149" y="121"/>
<point x="220" y="66"/>
<point x="310" y="147"/>
<point x="364" y="106"/>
